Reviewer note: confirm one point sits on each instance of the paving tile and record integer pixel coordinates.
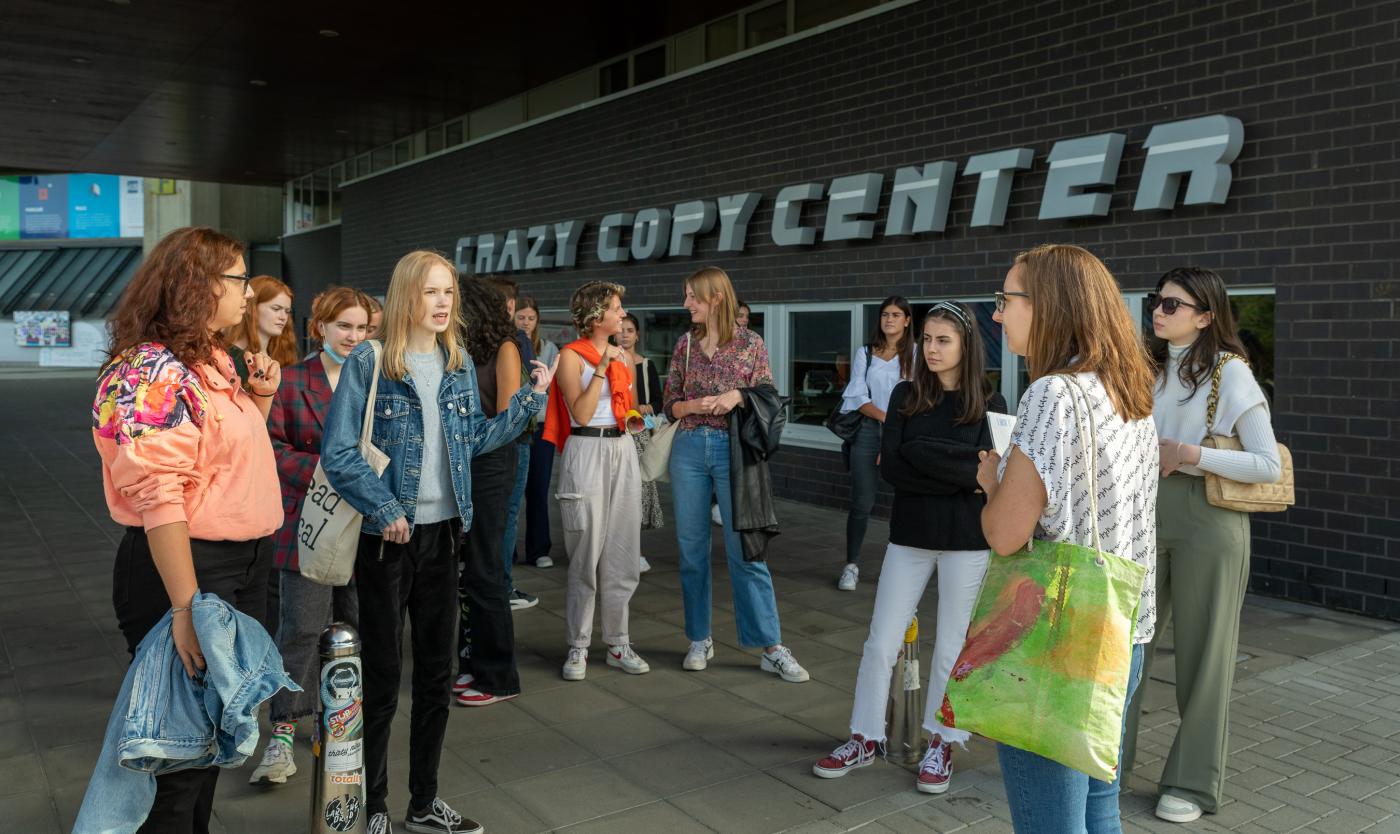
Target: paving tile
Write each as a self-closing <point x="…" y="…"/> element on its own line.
<point x="773" y="741"/>
<point x="751" y="804"/>
<point x="647" y="819"/>
<point x="617" y="733"/>
<point x="592" y="790"/>
<point x="581" y="700"/>
<point x="497" y="811"/>
<point x="873" y="781"/>
<point x="706" y="712"/>
<point x="31" y="813"/>
<point x="524" y="755"/>
<point x="679" y="766"/>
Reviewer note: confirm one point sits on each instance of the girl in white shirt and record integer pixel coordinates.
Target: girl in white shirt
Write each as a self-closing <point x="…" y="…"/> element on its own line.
<point x="1202" y="550"/>
<point x="877" y="368"/>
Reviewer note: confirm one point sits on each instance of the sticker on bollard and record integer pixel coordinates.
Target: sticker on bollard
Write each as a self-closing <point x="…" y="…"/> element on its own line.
<point x="338" y="797"/>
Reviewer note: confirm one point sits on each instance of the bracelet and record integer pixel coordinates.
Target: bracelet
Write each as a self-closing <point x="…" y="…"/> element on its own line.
<point x="256" y="394"/>
<point x="178" y="610"/>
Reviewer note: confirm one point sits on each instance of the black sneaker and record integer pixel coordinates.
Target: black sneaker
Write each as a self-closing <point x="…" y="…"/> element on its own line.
<point x="440" y="819"/>
<point x="520" y="600"/>
<point x="379" y="824"/>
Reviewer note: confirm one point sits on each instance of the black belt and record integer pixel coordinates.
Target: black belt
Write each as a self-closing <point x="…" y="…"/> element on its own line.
<point x="593" y="431"/>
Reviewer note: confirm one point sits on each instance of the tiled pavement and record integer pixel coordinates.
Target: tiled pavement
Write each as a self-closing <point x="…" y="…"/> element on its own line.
<point x="1315" y="737"/>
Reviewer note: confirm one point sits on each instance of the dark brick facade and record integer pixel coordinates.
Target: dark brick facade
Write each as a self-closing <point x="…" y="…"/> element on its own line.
<point x="1314" y="209"/>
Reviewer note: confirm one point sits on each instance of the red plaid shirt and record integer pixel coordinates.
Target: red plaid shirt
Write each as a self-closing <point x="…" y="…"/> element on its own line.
<point x="295" y="425"/>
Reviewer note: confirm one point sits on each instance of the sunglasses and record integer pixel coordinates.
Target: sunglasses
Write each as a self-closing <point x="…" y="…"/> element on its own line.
<point x="1170" y="305"/>
<point x="1001" y="297"/>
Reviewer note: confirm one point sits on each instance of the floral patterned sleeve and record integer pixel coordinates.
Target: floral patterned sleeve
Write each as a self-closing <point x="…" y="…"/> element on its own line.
<point x="762" y="373"/>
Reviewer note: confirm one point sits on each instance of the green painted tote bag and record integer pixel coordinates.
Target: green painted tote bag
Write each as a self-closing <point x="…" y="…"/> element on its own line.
<point x="1046" y="661"/>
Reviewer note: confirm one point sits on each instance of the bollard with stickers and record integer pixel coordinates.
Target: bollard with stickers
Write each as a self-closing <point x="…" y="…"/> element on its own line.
<point x="338" y="792"/>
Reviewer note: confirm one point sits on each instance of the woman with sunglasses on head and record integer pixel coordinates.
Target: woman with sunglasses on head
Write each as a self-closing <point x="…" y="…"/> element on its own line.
<point x="935" y="426"/>
<point x="428" y="420"/>
<point x="878" y="368"/>
<point x="1061" y="308"/>
<point x="1202" y="550"/>
<point x="339" y="322"/>
<point x="187" y="466"/>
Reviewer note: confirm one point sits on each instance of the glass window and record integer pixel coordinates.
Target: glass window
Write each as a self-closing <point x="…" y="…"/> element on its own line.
<point x="362" y="166"/>
<point x="383" y="158"/>
<point x="337" y="177"/>
<point x="660" y="331"/>
<point x="809" y="13"/>
<point x="766" y="24"/>
<point x="434" y="139"/>
<point x="649" y="65"/>
<point x="321" y="187"/>
<point x="689" y="49"/>
<point x="612" y="78"/>
<point x="722" y="38"/>
<point x="403" y="151"/>
<point x="454" y="134"/>
<point x="819" y="360"/>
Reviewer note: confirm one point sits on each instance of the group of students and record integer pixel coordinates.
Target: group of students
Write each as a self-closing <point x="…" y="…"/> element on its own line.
<point x="208" y="449"/>
<point x="924" y="398"/>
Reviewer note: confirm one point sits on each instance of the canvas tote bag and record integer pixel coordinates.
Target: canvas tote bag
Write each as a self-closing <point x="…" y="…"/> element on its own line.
<point x="655" y="462"/>
<point x="329" y="532"/>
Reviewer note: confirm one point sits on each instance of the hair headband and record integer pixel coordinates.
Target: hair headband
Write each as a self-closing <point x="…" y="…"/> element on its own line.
<point x="955" y="310"/>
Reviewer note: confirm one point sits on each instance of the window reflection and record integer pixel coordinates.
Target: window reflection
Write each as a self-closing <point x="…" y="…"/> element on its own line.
<point x="819" y="358"/>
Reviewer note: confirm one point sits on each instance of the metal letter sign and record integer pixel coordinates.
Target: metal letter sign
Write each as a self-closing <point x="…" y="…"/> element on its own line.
<point x="1203" y="148"/>
<point x="1200" y="150"/>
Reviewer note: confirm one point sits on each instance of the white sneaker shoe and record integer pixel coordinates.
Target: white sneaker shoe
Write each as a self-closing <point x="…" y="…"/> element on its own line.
<point x="276" y="765"/>
<point x="627" y="660"/>
<point x="700" y="652"/>
<point x="781" y="662"/>
<point x="1175" y="809"/>
<point x="646" y="566"/>
<point x="850" y="575"/>
<point x="576" y="666"/>
<point x="544" y="562"/>
<point x="715" y="516"/>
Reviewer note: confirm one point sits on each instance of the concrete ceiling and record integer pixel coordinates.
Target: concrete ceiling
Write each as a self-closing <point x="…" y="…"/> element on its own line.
<point x="260" y="92"/>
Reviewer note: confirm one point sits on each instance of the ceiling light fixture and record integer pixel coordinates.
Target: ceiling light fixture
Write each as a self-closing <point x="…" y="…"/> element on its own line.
<point x="329" y="33"/>
<point x="78" y="59"/>
<point x="258" y="82"/>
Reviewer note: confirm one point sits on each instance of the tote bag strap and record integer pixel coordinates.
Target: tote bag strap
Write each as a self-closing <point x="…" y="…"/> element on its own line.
<point x="367" y="428"/>
<point x="1090" y="440"/>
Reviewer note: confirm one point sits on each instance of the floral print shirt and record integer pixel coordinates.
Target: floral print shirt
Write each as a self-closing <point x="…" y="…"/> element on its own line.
<point x="742" y="362"/>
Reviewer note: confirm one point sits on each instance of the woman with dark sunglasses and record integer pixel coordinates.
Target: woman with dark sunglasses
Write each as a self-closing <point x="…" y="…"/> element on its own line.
<point x="1202" y="550"/>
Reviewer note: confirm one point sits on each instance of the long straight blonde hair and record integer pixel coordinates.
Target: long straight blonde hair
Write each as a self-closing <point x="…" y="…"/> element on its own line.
<point x="403" y="305"/>
<point x="712" y="286"/>
<point x="1080" y="324"/>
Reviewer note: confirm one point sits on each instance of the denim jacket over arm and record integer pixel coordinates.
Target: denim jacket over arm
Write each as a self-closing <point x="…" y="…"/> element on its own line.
<point x="164" y="722"/>
<point x="398" y="433"/>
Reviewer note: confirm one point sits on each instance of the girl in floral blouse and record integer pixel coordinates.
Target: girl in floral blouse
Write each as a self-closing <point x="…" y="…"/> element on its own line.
<point x="708" y="367"/>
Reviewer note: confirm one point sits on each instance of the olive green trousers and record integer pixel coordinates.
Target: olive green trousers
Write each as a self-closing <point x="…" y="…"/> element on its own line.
<point x="1202" y="573"/>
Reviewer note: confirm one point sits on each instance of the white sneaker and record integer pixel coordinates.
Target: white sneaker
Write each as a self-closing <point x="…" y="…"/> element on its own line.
<point x="850" y="575"/>
<point x="1175" y="809"/>
<point x="715" y="516"/>
<point x="781" y="662"/>
<point x="576" y="666"/>
<point x="700" y="652"/>
<point x="276" y="765"/>
<point x="544" y="562"/>
<point x="646" y="566"/>
<point x="627" y="660"/>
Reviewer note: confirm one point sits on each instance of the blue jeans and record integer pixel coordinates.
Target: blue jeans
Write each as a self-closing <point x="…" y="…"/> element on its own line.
<point x="865" y="483"/>
<point x="517" y="494"/>
<point x="1048" y="798"/>
<point x="700" y="469"/>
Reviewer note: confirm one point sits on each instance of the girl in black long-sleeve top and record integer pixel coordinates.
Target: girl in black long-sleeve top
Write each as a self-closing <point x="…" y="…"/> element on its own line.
<point x="934" y="428"/>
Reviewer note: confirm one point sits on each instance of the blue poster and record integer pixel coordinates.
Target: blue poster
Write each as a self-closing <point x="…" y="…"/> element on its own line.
<point x="43" y="207"/>
<point x="94" y="205"/>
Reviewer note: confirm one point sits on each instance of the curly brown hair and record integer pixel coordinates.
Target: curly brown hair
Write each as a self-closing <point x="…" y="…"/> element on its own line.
<point x="590" y="301"/>
<point x="173" y="295"/>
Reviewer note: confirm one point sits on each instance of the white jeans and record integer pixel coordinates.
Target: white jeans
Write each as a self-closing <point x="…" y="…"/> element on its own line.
<point x="903" y="578"/>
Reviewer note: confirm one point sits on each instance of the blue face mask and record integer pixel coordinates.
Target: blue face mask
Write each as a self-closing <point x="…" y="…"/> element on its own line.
<point x="331" y="354"/>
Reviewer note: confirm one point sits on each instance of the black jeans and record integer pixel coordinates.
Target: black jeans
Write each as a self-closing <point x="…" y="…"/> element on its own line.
<point x="235" y="572"/>
<point x="537" y="540"/>
<point x="418" y="579"/>
<point x="486" y="641"/>
<point x="865" y="483"/>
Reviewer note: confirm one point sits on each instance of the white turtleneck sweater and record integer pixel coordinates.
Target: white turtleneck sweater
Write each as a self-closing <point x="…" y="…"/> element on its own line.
<point x="1243" y="412"/>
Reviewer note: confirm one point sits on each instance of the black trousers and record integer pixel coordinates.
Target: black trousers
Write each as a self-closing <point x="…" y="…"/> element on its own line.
<point x="486" y="642"/>
<point x="537" y="541"/>
<point x="418" y="579"/>
<point x="235" y="572"/>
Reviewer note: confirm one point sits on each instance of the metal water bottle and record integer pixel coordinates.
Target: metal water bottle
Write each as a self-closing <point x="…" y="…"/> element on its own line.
<point x="905" y="712"/>
<point x="338" y="789"/>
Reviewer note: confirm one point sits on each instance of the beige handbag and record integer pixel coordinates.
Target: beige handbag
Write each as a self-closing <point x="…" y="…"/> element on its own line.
<point x="655" y="462"/>
<point x="1235" y="495"/>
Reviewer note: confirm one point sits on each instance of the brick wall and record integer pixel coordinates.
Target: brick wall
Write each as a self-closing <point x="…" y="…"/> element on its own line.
<point x="1313" y="210"/>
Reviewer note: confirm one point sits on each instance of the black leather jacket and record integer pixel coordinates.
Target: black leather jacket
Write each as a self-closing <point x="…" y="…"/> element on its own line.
<point x="755" y="431"/>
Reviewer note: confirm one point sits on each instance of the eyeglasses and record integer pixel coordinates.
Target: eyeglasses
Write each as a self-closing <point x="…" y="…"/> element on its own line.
<point x="246" y="278"/>
<point x="1002" y="296"/>
<point x="1170" y="305"/>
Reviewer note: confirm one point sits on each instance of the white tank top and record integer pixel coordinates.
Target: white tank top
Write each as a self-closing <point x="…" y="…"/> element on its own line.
<point x="603" y="414"/>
